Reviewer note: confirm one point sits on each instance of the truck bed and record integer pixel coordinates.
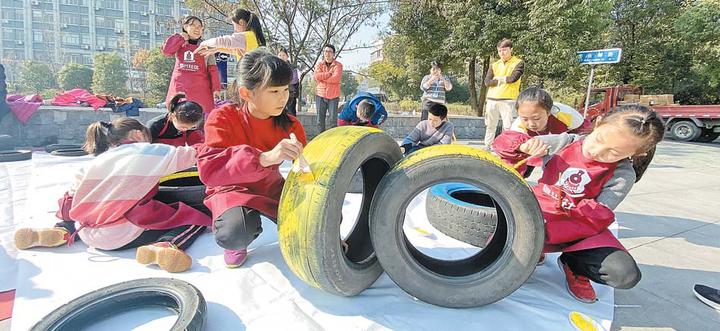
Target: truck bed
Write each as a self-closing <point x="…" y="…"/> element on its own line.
<point x="697" y="111"/>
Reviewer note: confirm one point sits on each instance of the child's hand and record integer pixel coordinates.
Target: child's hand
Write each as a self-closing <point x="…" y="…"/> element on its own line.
<point x="285" y="150"/>
<point x="185" y="36"/>
<point x="534" y="147"/>
<point x="203" y="50"/>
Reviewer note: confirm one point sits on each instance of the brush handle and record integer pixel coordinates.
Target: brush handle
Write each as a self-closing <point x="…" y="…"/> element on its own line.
<point x="302" y="164"/>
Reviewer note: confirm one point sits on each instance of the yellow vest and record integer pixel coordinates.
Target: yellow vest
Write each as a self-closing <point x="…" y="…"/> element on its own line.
<point x="504" y="69"/>
<point x="250" y="41"/>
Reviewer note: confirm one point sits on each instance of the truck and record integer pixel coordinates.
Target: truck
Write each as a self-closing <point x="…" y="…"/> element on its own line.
<point x="700" y="123"/>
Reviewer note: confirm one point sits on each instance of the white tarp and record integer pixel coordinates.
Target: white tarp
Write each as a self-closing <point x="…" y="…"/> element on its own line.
<point x="261" y="295"/>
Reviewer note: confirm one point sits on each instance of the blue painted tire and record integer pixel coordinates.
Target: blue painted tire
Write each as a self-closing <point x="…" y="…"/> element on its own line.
<point x="462" y="212"/>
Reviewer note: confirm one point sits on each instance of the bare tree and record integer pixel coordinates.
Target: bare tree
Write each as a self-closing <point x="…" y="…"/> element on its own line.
<point x="301" y="26"/>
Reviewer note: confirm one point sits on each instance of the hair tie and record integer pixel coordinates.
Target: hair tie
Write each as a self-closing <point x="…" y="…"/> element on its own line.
<point x="106" y="125"/>
<point x="642" y="121"/>
<point x="182" y="100"/>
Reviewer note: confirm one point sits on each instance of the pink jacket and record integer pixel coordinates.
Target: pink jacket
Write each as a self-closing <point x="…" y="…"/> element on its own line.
<point x="328" y="79"/>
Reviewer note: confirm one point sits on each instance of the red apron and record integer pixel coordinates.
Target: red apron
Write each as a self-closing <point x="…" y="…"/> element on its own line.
<point x="566" y="193"/>
<point x="191" y="75"/>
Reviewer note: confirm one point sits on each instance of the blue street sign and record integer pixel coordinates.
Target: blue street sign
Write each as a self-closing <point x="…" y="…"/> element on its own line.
<point x="610" y="55"/>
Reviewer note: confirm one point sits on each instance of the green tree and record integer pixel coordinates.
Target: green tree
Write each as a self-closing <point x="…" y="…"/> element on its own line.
<point x="74" y="75"/>
<point x="110" y="75"/>
<point x="158" y="70"/>
<point x="36" y="77"/>
<point x="348" y="84"/>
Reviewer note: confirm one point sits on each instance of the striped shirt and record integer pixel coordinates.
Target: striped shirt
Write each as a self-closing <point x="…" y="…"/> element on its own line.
<point x="436" y="91"/>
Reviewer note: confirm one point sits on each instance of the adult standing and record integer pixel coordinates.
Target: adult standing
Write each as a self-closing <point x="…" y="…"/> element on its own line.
<point x="4" y="108"/>
<point x="328" y="74"/>
<point x="294" y="88"/>
<point x="434" y="87"/>
<point x="503" y="81"/>
<point x="194" y="74"/>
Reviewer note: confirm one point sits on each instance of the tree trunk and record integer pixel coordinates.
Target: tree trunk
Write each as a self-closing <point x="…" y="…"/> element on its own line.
<point x="471" y="83"/>
<point x="483" y="88"/>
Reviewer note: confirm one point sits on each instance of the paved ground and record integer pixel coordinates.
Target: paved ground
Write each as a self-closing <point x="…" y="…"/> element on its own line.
<point x="670" y="223"/>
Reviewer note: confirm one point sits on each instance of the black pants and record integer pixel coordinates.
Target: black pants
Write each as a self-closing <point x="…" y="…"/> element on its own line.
<point x="605" y="265"/>
<point x="236" y="228"/>
<point x="182" y="236"/>
<point x="425" y="108"/>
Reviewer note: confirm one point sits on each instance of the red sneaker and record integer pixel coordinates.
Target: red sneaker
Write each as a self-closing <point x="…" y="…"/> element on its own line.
<point x="578" y="286"/>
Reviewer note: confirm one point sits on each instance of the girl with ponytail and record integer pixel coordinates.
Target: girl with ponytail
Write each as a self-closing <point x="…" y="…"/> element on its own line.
<point x="179" y="127"/>
<point x="248" y="36"/>
<point x="112" y="200"/>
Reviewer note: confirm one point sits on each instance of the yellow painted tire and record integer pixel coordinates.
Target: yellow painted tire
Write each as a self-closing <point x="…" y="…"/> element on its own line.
<point x="500" y="268"/>
<point x="310" y="209"/>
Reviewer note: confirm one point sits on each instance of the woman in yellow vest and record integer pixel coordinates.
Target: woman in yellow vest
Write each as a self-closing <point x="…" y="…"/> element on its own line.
<point x="503" y="82"/>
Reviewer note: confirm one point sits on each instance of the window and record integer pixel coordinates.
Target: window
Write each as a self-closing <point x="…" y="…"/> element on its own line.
<point x="71" y="39"/>
<point x="12" y="14"/>
<point x="38" y="36"/>
<point x="109" y="4"/>
<point x="74" y="2"/>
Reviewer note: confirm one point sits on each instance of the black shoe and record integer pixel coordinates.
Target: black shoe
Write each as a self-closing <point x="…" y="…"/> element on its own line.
<point x="708" y="295"/>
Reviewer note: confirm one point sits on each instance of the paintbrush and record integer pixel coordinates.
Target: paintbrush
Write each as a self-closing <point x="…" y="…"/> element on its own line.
<point x="301" y="164"/>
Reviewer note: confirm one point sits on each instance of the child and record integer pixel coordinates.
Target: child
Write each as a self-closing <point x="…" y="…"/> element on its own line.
<point x="112" y="199"/>
<point x="364" y="109"/>
<point x="537" y="115"/>
<point x="179" y="126"/>
<point x="584" y="179"/>
<point x="245" y="142"/>
<point x="195" y="75"/>
<point x="248" y="36"/>
<point x="434" y="130"/>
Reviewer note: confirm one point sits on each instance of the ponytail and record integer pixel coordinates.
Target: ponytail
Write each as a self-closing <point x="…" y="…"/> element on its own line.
<point x="252" y="21"/>
<point x="96" y="139"/>
<point x="189" y="112"/>
<point x="100" y="136"/>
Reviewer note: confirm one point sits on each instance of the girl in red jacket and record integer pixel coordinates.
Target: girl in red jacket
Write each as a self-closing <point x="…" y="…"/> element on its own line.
<point x="179" y="126"/>
<point x="584" y="179"/>
<point x="245" y="143"/>
<point x="537" y="115"/>
<point x="194" y="74"/>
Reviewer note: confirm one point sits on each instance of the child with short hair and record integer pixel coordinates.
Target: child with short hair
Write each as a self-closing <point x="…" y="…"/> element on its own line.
<point x="245" y="143"/>
<point x="432" y="131"/>
<point x="179" y="127"/>
<point x="364" y="109"/>
<point x="112" y="199"/>
<point x="584" y="179"/>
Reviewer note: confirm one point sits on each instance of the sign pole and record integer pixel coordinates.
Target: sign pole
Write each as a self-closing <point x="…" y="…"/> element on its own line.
<point x="587" y="97"/>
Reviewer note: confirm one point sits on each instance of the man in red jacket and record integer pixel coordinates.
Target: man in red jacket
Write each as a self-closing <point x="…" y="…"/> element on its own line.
<point x="328" y="73"/>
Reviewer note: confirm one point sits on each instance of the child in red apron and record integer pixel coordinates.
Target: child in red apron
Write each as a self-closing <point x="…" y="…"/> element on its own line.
<point x="112" y="200"/>
<point x="537" y="116"/>
<point x="245" y="142"/>
<point x="179" y="126"/>
<point x="584" y="179"/>
<point x="194" y="74"/>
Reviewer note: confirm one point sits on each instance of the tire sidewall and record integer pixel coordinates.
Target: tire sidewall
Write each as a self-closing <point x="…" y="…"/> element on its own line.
<point x="507" y="273"/>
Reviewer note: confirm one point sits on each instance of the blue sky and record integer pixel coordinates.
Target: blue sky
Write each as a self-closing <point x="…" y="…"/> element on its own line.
<point x="358" y="59"/>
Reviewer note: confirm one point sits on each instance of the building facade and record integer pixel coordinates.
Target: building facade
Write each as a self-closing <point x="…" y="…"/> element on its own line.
<point x="64" y="31"/>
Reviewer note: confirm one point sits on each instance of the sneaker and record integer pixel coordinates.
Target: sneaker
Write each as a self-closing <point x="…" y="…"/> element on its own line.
<point x="578" y="286"/>
<point x="708" y="295"/>
<point x="235" y="258"/>
<point x="166" y="255"/>
<point x="541" y="261"/>
<point x="50" y="237"/>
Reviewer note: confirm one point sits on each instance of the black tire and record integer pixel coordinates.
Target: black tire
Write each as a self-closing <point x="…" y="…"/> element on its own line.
<point x="6" y="142"/>
<point x="684" y="131"/>
<point x="179" y="296"/>
<point x="310" y="209"/>
<point x="69" y="152"/>
<point x="13" y="155"/>
<point x="707" y="136"/>
<point x="184" y="186"/>
<point x="641" y="163"/>
<point x="356" y="183"/>
<point x="54" y="147"/>
<point x="488" y="276"/>
<point x="462" y="212"/>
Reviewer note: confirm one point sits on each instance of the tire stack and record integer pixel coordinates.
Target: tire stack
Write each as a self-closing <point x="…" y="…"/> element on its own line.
<point x="510" y="231"/>
<point x="8" y="153"/>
